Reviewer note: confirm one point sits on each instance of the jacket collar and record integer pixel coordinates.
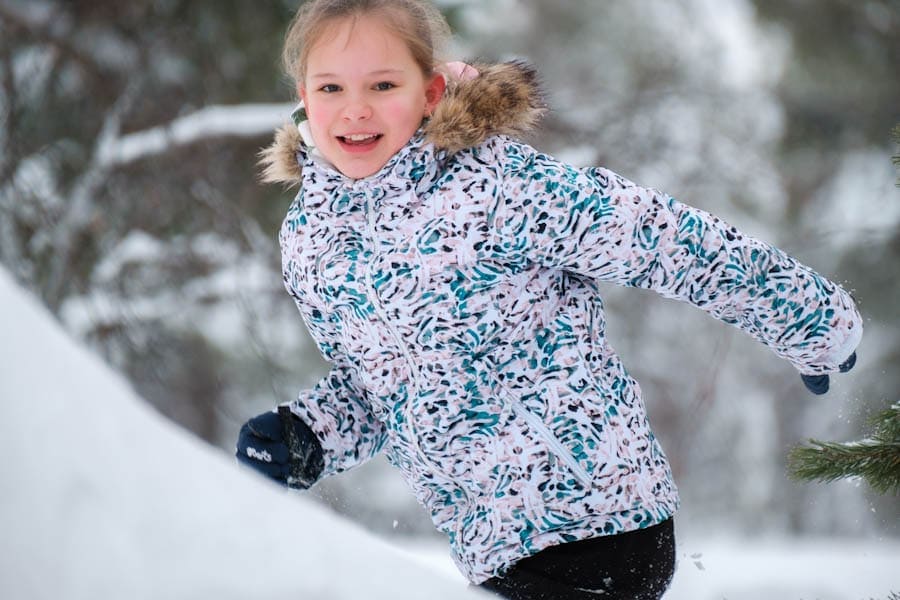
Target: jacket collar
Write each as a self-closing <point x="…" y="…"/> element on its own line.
<point x="505" y="99"/>
<point x="411" y="163"/>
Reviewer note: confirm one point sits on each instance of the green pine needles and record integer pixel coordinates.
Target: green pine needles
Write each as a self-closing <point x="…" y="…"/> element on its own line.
<point x="875" y="459"/>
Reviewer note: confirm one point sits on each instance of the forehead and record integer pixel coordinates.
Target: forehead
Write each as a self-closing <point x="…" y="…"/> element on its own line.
<point x="352" y="40"/>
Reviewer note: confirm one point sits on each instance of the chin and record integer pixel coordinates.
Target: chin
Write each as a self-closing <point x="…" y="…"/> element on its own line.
<point x="359" y="171"/>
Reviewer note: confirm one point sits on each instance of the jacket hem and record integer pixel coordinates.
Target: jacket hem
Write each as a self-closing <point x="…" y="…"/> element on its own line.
<point x="592" y="526"/>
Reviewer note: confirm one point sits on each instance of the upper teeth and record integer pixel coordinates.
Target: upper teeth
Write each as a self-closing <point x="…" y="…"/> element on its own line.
<point x="359" y="137"/>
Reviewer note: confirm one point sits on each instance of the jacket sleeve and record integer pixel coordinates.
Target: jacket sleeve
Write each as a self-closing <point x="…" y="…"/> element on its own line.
<point x="336" y="408"/>
<point x="599" y="225"/>
<point x="336" y="411"/>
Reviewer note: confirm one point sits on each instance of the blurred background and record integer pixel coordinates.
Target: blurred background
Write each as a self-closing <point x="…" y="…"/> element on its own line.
<point x="129" y="204"/>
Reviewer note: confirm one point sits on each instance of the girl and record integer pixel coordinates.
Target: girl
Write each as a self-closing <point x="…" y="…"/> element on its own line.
<point x="448" y="274"/>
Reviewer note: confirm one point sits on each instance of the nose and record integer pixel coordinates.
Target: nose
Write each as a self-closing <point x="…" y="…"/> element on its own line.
<point x="358" y="109"/>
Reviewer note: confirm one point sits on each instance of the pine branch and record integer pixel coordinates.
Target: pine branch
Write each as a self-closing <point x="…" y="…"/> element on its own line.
<point x="876" y="459"/>
<point x="878" y="464"/>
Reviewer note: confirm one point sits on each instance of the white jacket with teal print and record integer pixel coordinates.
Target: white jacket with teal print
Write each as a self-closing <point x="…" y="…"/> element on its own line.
<point x="454" y="294"/>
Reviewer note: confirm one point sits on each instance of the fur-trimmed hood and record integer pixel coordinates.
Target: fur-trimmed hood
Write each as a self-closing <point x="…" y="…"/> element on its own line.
<point x="504" y="99"/>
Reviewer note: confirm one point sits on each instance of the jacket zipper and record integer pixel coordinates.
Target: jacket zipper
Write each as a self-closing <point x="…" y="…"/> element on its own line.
<point x="413" y="368"/>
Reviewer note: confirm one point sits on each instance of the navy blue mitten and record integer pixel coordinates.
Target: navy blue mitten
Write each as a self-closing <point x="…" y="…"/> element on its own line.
<point x="818" y="384"/>
<point x="282" y="447"/>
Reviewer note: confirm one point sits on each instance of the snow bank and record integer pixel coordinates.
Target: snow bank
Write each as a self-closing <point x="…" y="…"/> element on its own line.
<point x="104" y="498"/>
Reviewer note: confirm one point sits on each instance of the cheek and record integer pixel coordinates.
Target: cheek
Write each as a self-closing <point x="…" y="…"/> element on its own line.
<point x="318" y="119"/>
<point x="407" y="111"/>
<point x="319" y="114"/>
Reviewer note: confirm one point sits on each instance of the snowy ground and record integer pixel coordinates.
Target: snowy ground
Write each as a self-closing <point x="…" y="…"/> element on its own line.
<point x="103" y="498"/>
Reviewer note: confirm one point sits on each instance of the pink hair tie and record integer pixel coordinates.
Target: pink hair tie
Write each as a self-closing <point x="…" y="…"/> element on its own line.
<point x="461" y="71"/>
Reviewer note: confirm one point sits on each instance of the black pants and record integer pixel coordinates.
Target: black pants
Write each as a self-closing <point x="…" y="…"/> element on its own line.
<point x="630" y="566"/>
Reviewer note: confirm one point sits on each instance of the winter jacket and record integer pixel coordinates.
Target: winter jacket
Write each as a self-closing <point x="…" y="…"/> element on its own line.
<point x="455" y="295"/>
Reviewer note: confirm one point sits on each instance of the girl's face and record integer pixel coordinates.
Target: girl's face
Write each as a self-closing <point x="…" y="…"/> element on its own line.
<point x="365" y="95"/>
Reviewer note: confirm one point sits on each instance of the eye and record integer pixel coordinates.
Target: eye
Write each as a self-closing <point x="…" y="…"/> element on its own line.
<point x="383" y="86"/>
<point x="330" y="88"/>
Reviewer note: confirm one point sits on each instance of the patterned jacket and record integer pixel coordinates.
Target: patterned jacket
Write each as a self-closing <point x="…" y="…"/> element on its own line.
<point x="454" y="294"/>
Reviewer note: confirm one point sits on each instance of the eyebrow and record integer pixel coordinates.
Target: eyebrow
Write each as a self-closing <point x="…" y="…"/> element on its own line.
<point x="377" y="73"/>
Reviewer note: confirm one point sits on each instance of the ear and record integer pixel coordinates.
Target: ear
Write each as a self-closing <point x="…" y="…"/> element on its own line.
<point x="301" y="91"/>
<point x="434" y="91"/>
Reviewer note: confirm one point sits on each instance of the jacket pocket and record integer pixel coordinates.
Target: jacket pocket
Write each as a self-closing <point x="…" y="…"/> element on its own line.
<point x="545" y="435"/>
<point x="559" y="450"/>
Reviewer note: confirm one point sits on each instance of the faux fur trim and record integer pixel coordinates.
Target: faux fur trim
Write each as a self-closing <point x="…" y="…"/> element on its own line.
<point x="505" y="99"/>
<point x="278" y="162"/>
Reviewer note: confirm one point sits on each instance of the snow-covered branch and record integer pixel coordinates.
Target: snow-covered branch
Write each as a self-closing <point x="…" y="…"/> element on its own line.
<point x="245" y="120"/>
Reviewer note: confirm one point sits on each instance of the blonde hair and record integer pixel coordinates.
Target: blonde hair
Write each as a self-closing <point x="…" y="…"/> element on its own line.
<point x="417" y="22"/>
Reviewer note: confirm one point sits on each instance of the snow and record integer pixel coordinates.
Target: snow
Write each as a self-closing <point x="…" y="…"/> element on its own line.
<point x="785" y="569"/>
<point x="104" y="498"/>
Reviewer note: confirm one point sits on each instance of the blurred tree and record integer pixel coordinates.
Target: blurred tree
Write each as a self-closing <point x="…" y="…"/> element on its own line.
<point x="841" y="98"/>
<point x="131" y="208"/>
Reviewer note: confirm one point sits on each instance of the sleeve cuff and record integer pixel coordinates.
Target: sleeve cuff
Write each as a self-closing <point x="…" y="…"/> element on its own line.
<point x="831" y="361"/>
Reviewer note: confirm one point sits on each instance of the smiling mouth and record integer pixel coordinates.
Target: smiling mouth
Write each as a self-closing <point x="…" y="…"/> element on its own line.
<point x="364" y="139"/>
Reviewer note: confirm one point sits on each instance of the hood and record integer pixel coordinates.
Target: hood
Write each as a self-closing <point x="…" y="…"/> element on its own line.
<point x="505" y="99"/>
